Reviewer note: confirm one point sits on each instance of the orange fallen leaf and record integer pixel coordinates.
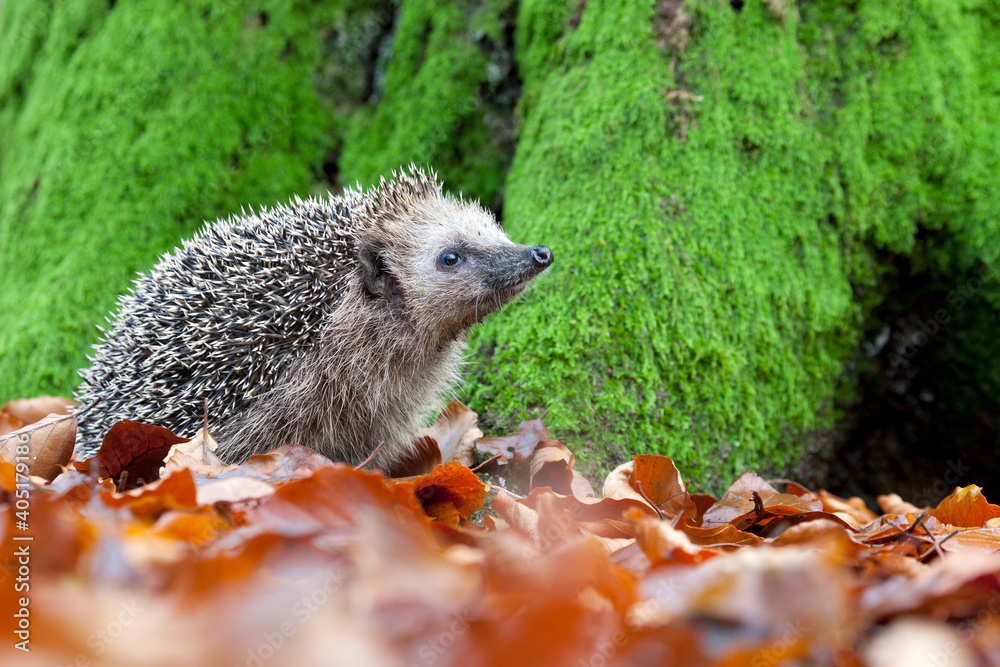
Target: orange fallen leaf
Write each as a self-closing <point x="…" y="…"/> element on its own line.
<point x="891" y="503"/>
<point x="662" y="543"/>
<point x="448" y="493"/>
<point x="654" y="481"/>
<point x="150" y="501"/>
<point x="977" y="539"/>
<point x="966" y="507"/>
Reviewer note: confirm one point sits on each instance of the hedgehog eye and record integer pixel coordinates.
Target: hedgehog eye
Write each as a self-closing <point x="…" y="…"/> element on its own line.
<point x="450" y="259"/>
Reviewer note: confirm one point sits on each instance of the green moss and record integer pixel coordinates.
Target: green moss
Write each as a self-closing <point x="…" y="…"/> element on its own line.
<point x="908" y="100"/>
<point x="709" y="241"/>
<point x="438" y="104"/>
<point x="120" y="130"/>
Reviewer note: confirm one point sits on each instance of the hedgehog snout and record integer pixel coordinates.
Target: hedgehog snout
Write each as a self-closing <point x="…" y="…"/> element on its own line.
<point x="541" y="256"/>
<point x="514" y="266"/>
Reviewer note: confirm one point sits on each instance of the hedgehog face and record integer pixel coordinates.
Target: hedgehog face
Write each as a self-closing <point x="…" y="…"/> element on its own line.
<point x="449" y="265"/>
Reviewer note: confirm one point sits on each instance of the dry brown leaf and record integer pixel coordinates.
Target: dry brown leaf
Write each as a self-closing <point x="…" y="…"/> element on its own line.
<point x="177" y="460"/>
<point x="737" y="503"/>
<point x="893" y="504"/>
<point x="702" y="503"/>
<point x="852" y="510"/>
<point x="723" y="536"/>
<point x="133" y="448"/>
<point x="43" y="448"/>
<point x="826" y="535"/>
<point x="516" y="447"/>
<point x="552" y="466"/>
<point x="602" y="517"/>
<point x="975" y="539"/>
<point x="423" y="457"/>
<point x="196" y="455"/>
<point x="662" y="543"/>
<point x="653" y="481"/>
<point x="332" y="499"/>
<point x="455" y="433"/>
<point x="659" y="480"/>
<point x="232" y="489"/>
<point x="201" y="447"/>
<point x="515" y="514"/>
<point x="887" y="528"/>
<point x="31" y="410"/>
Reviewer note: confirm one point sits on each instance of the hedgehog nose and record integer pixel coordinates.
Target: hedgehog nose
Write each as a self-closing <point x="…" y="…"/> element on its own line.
<point x="541" y="256"/>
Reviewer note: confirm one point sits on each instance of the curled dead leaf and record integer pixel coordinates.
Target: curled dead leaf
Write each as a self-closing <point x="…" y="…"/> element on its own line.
<point x="654" y="481"/>
<point x="455" y="433"/>
<point x="552" y="466"/>
<point x="201" y="447"/>
<point x="852" y="510"/>
<point x="448" y="493"/>
<point x="518" y="446"/>
<point x="423" y="457"/>
<point x="177" y="491"/>
<point x="662" y="543"/>
<point x="42" y="448"/>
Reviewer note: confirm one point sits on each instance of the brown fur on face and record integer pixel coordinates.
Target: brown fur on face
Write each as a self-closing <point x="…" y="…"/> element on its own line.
<point x="333" y="324"/>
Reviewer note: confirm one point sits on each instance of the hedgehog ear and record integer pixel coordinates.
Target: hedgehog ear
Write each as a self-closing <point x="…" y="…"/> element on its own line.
<point x="378" y="280"/>
<point x="371" y="271"/>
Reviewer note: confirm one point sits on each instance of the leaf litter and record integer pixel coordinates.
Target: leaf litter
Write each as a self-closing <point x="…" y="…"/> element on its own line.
<point x="155" y="552"/>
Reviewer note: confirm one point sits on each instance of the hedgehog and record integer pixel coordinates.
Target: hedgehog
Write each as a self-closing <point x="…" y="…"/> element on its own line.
<point x="337" y="323"/>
